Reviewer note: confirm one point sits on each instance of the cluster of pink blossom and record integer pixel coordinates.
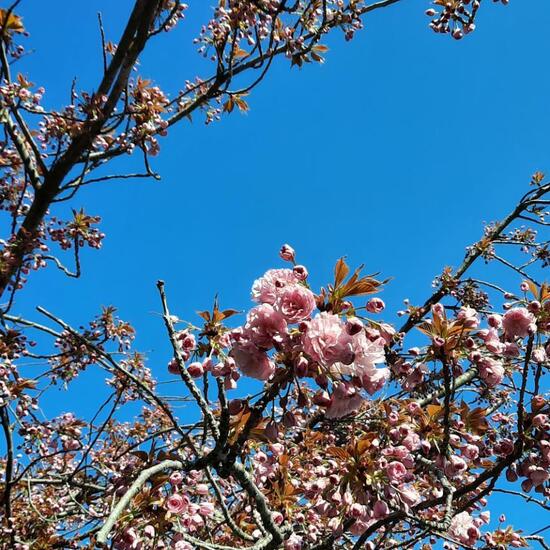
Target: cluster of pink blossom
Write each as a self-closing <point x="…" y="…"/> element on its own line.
<point x="465" y="529"/>
<point x="334" y="350"/>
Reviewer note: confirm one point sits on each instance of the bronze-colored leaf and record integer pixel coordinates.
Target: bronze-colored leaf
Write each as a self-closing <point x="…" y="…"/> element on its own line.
<point x="364" y="444"/>
<point x="434" y="411"/>
<point x="534" y="290"/>
<point x="205" y="315"/>
<point x="320" y="48"/>
<point x="341" y="271"/>
<point x="11" y="23"/>
<point x="226" y="313"/>
<point x="229" y="105"/>
<point x="338" y="452"/>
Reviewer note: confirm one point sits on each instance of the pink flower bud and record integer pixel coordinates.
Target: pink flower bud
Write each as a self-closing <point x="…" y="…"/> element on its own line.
<point x="287" y="253"/>
<point x="235" y="406"/>
<point x="300" y="272"/>
<point x="439" y="342"/>
<point x="195" y="369"/>
<point x="346" y="305"/>
<point x="475" y="356"/>
<point x="526" y="485"/>
<point x="470" y="342"/>
<point x="176" y="478"/>
<point x="173" y="367"/>
<point x="201" y="489"/>
<point x="511" y="475"/>
<point x="375" y="305"/>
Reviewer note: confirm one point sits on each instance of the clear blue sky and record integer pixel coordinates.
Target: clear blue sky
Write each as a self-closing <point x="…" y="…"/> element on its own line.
<point x="393" y="153"/>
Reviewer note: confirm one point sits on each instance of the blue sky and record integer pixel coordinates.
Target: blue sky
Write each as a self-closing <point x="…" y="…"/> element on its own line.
<point x="393" y="153"/>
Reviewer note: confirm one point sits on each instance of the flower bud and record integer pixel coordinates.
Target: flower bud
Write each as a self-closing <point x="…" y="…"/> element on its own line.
<point x="375" y="305"/>
<point x="287" y="253"/>
<point x="195" y="369"/>
<point x="300" y="272"/>
<point x="235" y="406"/>
<point x="173" y="367"/>
<point x="439" y="341"/>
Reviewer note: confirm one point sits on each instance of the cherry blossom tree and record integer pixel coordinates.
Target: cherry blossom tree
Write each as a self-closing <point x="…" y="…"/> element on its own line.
<point x="361" y="434"/>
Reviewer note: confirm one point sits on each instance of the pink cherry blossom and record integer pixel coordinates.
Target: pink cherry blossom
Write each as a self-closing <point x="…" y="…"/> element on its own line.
<point x="492" y="340"/>
<point x="294" y="542"/>
<point x="265" y="326"/>
<point x="463" y="529"/>
<point x="455" y="466"/>
<point x="206" y="509"/>
<point x="176" y="478"/>
<point x="195" y="369"/>
<point x="176" y="503"/>
<point x="345" y="400"/>
<point x="266" y="288"/>
<point x="366" y="354"/>
<point x="396" y="471"/>
<point x="374" y="380"/>
<point x="295" y="303"/>
<point x="380" y="509"/>
<point x="410" y="496"/>
<point x="326" y="340"/>
<point x="182" y="545"/>
<point x="354" y="326"/>
<point x="469" y="317"/>
<point x="518" y="322"/>
<point x="491" y="371"/>
<point x="539" y="355"/>
<point x="252" y="361"/>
